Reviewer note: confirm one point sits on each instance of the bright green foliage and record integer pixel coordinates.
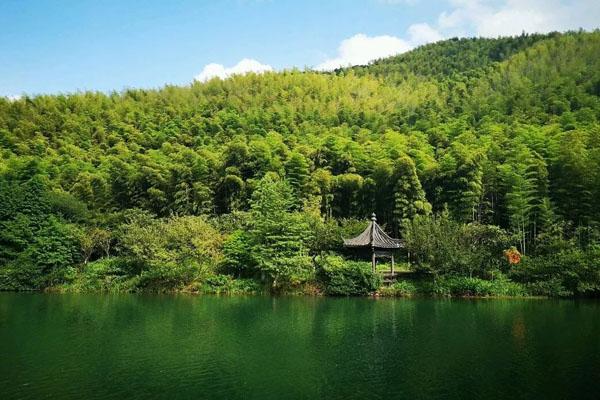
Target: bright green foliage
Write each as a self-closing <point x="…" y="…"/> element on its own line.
<point x="277" y="235"/>
<point x="95" y="241"/>
<point x="451" y="57"/>
<point x="399" y="289"/>
<point x="112" y="274"/>
<point x="484" y="246"/>
<point x="238" y="257"/>
<point x="409" y="197"/>
<point x="568" y="272"/>
<point x="225" y="284"/>
<point x="46" y="258"/>
<point x="36" y="247"/>
<point x="347" y="278"/>
<point x="520" y="181"/>
<point x="442" y="246"/>
<point x="466" y="286"/>
<point x="170" y="252"/>
<point x="459" y="109"/>
<point x="432" y="243"/>
<point x="502" y="133"/>
<point x="462" y="173"/>
<point x="297" y="174"/>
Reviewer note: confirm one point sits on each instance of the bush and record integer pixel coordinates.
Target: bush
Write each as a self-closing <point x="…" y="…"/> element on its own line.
<point x="46" y="260"/>
<point x="565" y="273"/>
<point x="18" y="277"/>
<point x="465" y="286"/>
<point x="180" y="240"/>
<point x="171" y="252"/>
<point x="113" y="274"/>
<point x="444" y="246"/>
<point x="502" y="286"/>
<point x="399" y="289"/>
<point x="225" y="284"/>
<point x="347" y="278"/>
<point x="551" y="288"/>
<point x="238" y="257"/>
<point x="168" y="277"/>
<point x="67" y="206"/>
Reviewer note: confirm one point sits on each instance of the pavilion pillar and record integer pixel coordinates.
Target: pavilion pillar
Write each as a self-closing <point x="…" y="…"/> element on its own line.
<point x="392" y="263"/>
<point x="373" y="260"/>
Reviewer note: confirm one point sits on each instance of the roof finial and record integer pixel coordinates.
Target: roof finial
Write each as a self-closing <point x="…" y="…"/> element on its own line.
<point x="373" y="217"/>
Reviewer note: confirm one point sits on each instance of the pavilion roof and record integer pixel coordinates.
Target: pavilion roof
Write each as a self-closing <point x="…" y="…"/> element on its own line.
<point x="374" y="236"/>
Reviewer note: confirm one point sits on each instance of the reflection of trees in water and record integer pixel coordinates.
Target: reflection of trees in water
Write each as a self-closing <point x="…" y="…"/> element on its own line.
<point x="296" y="347"/>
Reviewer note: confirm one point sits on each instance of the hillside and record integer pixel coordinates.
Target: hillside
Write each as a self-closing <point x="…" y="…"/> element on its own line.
<point x="500" y="132"/>
<point x="450" y="57"/>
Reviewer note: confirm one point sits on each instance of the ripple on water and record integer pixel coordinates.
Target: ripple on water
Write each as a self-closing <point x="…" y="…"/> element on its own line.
<point x="175" y="347"/>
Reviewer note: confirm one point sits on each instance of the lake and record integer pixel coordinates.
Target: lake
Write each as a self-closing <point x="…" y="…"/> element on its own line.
<point x="96" y="346"/>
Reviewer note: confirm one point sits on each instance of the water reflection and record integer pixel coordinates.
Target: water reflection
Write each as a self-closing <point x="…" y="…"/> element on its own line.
<point x="139" y="346"/>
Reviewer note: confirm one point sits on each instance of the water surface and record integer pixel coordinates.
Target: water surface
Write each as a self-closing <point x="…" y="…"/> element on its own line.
<point x="185" y="347"/>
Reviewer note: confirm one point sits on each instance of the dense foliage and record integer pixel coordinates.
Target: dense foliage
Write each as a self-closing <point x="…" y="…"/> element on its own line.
<point x="463" y="147"/>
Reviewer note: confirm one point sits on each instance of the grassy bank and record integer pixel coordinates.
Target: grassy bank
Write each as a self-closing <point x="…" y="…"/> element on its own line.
<point x="334" y="276"/>
<point x="457" y="287"/>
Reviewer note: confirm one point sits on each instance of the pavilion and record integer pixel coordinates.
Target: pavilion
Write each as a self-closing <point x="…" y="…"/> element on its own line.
<point x="381" y="244"/>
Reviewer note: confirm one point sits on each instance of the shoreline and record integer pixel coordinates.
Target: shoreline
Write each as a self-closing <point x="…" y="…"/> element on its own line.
<point x="376" y="295"/>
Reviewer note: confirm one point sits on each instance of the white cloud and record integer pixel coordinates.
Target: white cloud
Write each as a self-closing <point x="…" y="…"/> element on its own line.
<point x="488" y="18"/>
<point x="360" y="49"/>
<point x="244" y="66"/>
<point x="423" y="33"/>
<point x="511" y="17"/>
<point x="14" y="97"/>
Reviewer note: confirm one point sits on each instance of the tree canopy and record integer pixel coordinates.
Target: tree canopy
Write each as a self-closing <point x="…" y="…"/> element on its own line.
<point x="501" y="132"/>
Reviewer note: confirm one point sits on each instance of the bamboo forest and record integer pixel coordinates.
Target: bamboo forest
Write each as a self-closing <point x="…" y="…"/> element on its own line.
<point x="482" y="156"/>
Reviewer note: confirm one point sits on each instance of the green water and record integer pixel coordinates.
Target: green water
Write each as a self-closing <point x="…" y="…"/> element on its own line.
<point x="184" y="347"/>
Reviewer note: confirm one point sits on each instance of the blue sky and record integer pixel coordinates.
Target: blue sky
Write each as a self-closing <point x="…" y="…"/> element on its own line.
<point x="65" y="46"/>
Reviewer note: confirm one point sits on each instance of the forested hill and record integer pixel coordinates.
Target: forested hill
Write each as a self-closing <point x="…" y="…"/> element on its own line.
<point x="496" y="131"/>
<point x="450" y="57"/>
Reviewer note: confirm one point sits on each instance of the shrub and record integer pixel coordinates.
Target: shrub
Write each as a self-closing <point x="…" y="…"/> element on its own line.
<point x="113" y="274"/>
<point x="237" y="254"/>
<point x="170" y="252"/>
<point x="551" y="288"/>
<point x="347" y="278"/>
<point x="176" y="239"/>
<point x="565" y="273"/>
<point x="443" y="246"/>
<point x="225" y="284"/>
<point x="67" y="206"/>
<point x="169" y="276"/>
<point x="502" y="286"/>
<point x="399" y="289"/>
<point x="465" y="286"/>
<point x="46" y="260"/>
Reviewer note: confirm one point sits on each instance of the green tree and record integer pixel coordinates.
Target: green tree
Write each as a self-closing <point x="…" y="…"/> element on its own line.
<point x="278" y="235"/>
<point x="409" y="196"/>
<point x="297" y="174"/>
